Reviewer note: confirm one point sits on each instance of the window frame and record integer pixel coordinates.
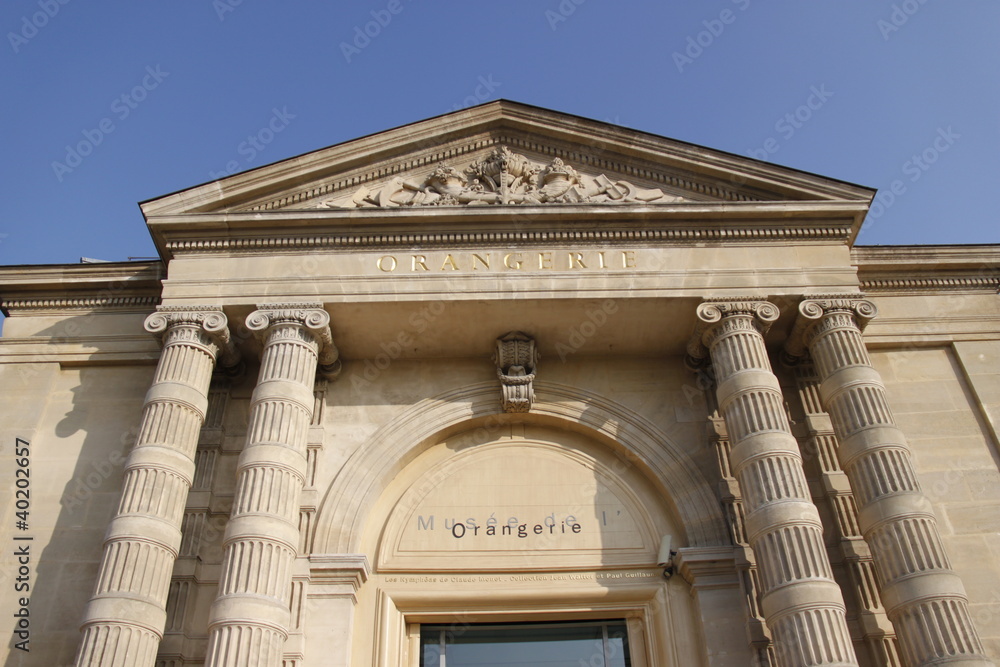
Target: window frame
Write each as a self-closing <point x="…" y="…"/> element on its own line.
<point x="603" y="624"/>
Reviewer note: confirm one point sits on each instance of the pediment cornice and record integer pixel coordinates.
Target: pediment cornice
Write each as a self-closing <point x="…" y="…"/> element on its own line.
<point x="588" y="145"/>
<point x="454" y="173"/>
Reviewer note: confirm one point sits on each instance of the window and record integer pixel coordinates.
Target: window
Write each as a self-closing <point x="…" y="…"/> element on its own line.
<point x="583" y="644"/>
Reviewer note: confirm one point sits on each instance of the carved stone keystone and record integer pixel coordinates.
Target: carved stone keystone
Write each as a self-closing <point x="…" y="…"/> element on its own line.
<point x="516" y="357"/>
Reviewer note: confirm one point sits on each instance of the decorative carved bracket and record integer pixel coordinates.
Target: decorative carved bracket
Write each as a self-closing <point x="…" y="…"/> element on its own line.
<point x="516" y="358"/>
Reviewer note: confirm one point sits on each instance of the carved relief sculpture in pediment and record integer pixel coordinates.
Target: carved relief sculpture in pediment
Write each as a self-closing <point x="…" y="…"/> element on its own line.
<point x="503" y="177"/>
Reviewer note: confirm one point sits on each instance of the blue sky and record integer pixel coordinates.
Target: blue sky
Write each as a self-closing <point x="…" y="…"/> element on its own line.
<point x="903" y="96"/>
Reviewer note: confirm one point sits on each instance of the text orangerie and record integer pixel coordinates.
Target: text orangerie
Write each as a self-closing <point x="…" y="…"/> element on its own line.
<point x="509" y="261"/>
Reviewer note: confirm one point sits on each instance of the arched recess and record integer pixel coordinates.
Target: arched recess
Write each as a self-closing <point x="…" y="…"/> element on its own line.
<point x="573" y="501"/>
<point x="344" y="510"/>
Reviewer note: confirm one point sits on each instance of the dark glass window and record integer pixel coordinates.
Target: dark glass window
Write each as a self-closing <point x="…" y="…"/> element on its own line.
<point x="583" y="644"/>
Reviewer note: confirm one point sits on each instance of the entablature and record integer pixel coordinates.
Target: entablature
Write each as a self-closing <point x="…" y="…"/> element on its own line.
<point x="54" y="289"/>
<point x="932" y="269"/>
<point x="503" y="226"/>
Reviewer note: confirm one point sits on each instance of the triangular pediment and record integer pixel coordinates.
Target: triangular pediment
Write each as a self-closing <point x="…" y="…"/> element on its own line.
<point x="504" y="154"/>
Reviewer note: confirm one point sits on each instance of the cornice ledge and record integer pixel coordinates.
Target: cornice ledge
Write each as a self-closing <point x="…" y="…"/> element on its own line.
<point x="52" y="306"/>
<point x="774" y="212"/>
<point x="932" y="284"/>
<point x="940" y="256"/>
<point x="53" y="275"/>
<point x="528" y="226"/>
<point x="332" y="569"/>
<point x="69" y="288"/>
<point x="266" y="244"/>
<point x="909" y="269"/>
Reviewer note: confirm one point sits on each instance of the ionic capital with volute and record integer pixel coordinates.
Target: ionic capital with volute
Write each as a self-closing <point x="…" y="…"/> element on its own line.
<point x="720" y="316"/>
<point x="206" y="327"/>
<point x="819" y="312"/>
<point x="301" y="319"/>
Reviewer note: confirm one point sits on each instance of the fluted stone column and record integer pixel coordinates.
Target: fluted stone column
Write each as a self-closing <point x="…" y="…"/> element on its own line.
<point x="802" y="605"/>
<point x="250" y="617"/>
<point x="923" y="597"/>
<point x="820" y="442"/>
<point x="124" y="621"/>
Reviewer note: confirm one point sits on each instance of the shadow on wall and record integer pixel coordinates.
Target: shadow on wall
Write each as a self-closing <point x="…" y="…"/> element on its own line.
<point x="81" y="440"/>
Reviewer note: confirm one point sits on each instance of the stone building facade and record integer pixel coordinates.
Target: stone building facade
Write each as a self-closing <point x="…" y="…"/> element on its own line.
<point x="497" y="382"/>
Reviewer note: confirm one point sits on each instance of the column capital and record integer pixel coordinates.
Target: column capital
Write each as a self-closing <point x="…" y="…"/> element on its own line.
<point x="814" y="309"/>
<point x="208" y="321"/>
<point x="311" y="317"/>
<point x="716" y="315"/>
